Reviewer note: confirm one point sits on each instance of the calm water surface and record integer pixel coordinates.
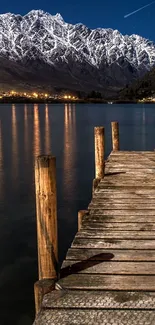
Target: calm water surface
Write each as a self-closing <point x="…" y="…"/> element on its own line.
<point x="66" y="131"/>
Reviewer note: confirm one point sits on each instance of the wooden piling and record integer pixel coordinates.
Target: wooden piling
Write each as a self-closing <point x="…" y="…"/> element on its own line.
<point x="81" y="214"/>
<point x="99" y="152"/>
<point x="115" y="135"/>
<point x="46" y="206"/>
<point x="99" y="156"/>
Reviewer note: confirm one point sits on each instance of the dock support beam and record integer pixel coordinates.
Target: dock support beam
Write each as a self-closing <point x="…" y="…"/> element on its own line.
<point x="42" y="287"/>
<point x="81" y="214"/>
<point x="99" y="155"/>
<point x="115" y="135"/>
<point x="46" y="209"/>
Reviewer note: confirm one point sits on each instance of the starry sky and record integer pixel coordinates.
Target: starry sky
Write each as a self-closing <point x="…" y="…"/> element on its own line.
<point x="97" y="13"/>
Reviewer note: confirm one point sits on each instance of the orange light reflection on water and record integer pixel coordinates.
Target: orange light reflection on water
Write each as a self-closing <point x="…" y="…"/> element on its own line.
<point x="36" y="144"/>
<point x="15" y="151"/>
<point x="26" y="133"/>
<point x="1" y="166"/>
<point x="47" y="132"/>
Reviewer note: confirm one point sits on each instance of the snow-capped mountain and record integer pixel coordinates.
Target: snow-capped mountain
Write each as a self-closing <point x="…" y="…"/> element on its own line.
<point x="39" y="48"/>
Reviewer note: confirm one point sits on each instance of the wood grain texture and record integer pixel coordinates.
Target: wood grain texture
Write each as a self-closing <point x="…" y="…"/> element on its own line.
<point x="121" y="234"/>
<point x="115" y="135"/>
<point x="113" y="243"/>
<point x="107" y="267"/>
<point x="46" y="206"/>
<point x="142" y="211"/>
<point x="117" y="226"/>
<point x="108" y="282"/>
<point x="99" y="152"/>
<point x="116" y="254"/>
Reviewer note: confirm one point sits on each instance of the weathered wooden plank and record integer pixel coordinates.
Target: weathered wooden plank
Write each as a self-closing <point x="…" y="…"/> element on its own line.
<point x="126" y="217"/>
<point x="124" y="206"/>
<point x="126" y="169"/>
<point x="126" y="164"/>
<point x="132" y="153"/>
<point x="108" y="282"/>
<point x="104" y="226"/>
<point x="107" y="267"/>
<point x="122" y="212"/>
<point x="113" y="243"/>
<point x="148" y="192"/>
<point x="130" y="158"/>
<point x="99" y="299"/>
<point x="115" y="182"/>
<point x="140" y="200"/>
<point x="136" y="165"/>
<point x="94" y="316"/>
<point x="129" y="180"/>
<point x="118" y="195"/>
<point x="106" y="254"/>
<point x="131" y="161"/>
<point x="139" y="168"/>
<point x="125" y="155"/>
<point x="122" y="234"/>
<point x="126" y="187"/>
<point x="136" y="182"/>
<point x="127" y="176"/>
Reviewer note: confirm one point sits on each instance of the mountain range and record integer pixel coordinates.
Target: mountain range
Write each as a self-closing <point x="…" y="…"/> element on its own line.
<point x="41" y="50"/>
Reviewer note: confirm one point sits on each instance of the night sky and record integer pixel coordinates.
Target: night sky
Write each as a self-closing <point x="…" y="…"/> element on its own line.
<point x="97" y="13"/>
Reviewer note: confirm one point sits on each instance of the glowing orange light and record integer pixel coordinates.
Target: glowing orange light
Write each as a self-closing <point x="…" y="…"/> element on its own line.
<point x="35" y="95"/>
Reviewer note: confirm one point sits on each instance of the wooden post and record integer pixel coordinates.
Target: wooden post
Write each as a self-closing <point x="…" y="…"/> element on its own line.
<point x="42" y="287"/>
<point x="81" y="214"/>
<point x="46" y="206"/>
<point x="95" y="184"/>
<point x="99" y="156"/>
<point x="115" y="135"/>
<point x="99" y="152"/>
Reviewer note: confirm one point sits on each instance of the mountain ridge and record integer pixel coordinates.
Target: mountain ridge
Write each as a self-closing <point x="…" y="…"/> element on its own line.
<point x="42" y="49"/>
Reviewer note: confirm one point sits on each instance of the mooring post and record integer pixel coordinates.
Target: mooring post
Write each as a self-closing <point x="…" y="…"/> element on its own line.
<point x="81" y="214"/>
<point x="99" y="155"/>
<point x="115" y="135"/>
<point x="46" y="209"/>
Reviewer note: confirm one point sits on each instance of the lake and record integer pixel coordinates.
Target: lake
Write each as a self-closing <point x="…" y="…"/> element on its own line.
<point x="67" y="132"/>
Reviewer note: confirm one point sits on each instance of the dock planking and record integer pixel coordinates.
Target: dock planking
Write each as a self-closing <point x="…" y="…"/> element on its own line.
<point x="108" y="276"/>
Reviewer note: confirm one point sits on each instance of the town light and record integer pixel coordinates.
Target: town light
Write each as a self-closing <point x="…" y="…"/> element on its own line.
<point x="35" y="95"/>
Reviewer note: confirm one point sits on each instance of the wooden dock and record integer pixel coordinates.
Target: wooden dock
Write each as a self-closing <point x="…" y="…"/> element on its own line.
<point x="108" y="276"/>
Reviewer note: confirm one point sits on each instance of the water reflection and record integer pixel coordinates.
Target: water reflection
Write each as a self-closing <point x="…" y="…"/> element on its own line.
<point x="26" y="133"/>
<point x="15" y="152"/>
<point x="69" y="150"/>
<point x="1" y="166"/>
<point x="36" y="145"/>
<point x="143" y="128"/>
<point x="47" y="132"/>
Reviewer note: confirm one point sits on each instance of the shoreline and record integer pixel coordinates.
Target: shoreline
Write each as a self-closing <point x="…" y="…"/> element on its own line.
<point x="13" y="100"/>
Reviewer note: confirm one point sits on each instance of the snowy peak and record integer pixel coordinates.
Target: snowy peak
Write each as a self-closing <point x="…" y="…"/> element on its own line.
<point x="80" y="53"/>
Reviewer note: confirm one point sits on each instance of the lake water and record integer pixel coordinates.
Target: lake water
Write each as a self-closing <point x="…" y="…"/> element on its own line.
<point x="66" y="131"/>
